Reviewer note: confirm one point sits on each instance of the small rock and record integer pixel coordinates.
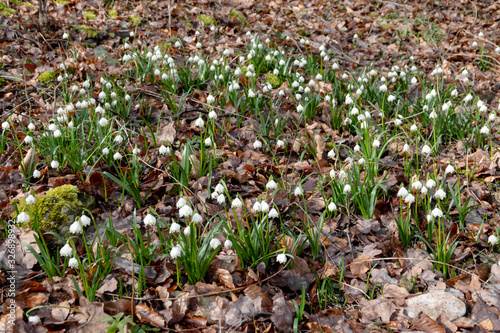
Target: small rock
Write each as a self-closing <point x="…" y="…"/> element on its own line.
<point x="434" y="304"/>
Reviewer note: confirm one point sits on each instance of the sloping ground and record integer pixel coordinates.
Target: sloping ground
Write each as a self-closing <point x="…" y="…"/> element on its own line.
<point x="250" y="166"/>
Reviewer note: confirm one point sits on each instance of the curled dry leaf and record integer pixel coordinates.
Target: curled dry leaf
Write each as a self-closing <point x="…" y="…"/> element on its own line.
<point x="361" y="264"/>
<point x="167" y="132"/>
<point x="149" y="316"/>
<point x="225" y="278"/>
<point x="426" y="324"/>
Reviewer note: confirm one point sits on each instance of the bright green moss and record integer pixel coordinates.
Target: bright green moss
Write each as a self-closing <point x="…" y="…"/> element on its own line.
<point x="47" y="76"/>
<point x="207" y="20"/>
<point x="113" y="13"/>
<point x="56" y="209"/>
<point x="239" y="15"/>
<point x="6" y="11"/>
<point x="273" y="80"/>
<point x="89" y="15"/>
<point x="135" y="19"/>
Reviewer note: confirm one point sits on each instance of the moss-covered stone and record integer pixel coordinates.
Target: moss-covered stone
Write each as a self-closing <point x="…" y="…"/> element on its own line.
<point x="135" y="19"/>
<point x="6" y="11"/>
<point x="89" y="15"/>
<point x="62" y="2"/>
<point x="91" y="32"/>
<point x="207" y="20"/>
<point x="273" y="80"/>
<point x="47" y="76"/>
<point x="56" y="209"/>
<point x="113" y="13"/>
<point x="27" y="4"/>
<point x="239" y="15"/>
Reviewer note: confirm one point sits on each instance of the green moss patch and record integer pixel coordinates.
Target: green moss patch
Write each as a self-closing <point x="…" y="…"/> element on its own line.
<point x="89" y="15"/>
<point x="236" y="14"/>
<point x="273" y="80"/>
<point x="47" y="76"/>
<point x="6" y="11"/>
<point x="207" y="20"/>
<point x="135" y="19"/>
<point x="56" y="209"/>
<point x="113" y="13"/>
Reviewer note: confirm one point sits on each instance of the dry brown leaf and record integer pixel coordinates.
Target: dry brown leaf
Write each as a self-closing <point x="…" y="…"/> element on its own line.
<point x="283" y="313"/>
<point x="61" y="312"/>
<point x="255" y="291"/>
<point x="320" y="145"/>
<point x="426" y="324"/>
<point x="88" y="318"/>
<point x="361" y="264"/>
<point x="225" y="278"/>
<point x="167" y="133"/>
<point x="30" y="300"/>
<point x="149" y="316"/>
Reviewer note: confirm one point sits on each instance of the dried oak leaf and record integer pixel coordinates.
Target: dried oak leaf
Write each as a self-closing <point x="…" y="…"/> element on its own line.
<point x="283" y="313"/>
<point x="361" y="264"/>
<point x="225" y="278"/>
<point x="61" y="312"/>
<point x="88" y="318"/>
<point x="426" y="324"/>
<point x="149" y="316"/>
<point x="167" y="132"/>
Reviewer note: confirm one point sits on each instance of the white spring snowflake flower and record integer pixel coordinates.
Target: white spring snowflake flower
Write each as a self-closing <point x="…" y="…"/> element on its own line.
<point x="347" y="188"/>
<point x="212" y="115"/>
<point x="423" y="190"/>
<point x="416" y="185"/>
<point x="485" y="130"/>
<point x="332" y="207"/>
<point x="164" y="150"/>
<point x="85" y="220"/>
<point x="391" y="98"/>
<point x="181" y="203"/>
<point x="382" y="88"/>
<point x="281" y="258"/>
<point x="228" y="243"/>
<point x="30" y="200"/>
<point x="409" y="198"/>
<point x="257" y="144"/>
<point x="37" y="174"/>
<point x="197" y="218"/>
<point x="492" y="240"/>
<point x="273" y="213"/>
<point x="208" y="142"/>
<point x="406" y="148"/>
<point x="331" y="154"/>
<point x="264" y="207"/>
<point x="54" y="164"/>
<point x="72" y="263"/>
<point x="66" y="251"/>
<point x="298" y="191"/>
<point x="376" y="143"/>
<point x="117" y="156"/>
<point x="105" y="151"/>
<point x="440" y="194"/>
<point x="280" y="144"/>
<point x="221" y="198"/>
<point x="185" y="211"/>
<point x="430" y="183"/>
<point x="215" y="243"/>
<point x="149" y="220"/>
<point x="436" y="212"/>
<point x="174" y="227"/>
<point x="219" y="188"/>
<point x="23" y="217"/>
<point x="403" y="192"/>
<point x="176" y="252"/>
<point x="236" y="203"/>
<point x="449" y="169"/>
<point x="187" y="231"/>
<point x="257" y="207"/>
<point x="426" y="149"/>
<point x="75" y="228"/>
<point x="361" y="161"/>
<point x="271" y="185"/>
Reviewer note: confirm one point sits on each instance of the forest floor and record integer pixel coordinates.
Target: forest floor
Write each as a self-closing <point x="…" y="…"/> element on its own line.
<point x="250" y="166"/>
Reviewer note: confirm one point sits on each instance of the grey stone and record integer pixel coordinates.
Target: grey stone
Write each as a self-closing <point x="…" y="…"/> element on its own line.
<point x="434" y="304"/>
